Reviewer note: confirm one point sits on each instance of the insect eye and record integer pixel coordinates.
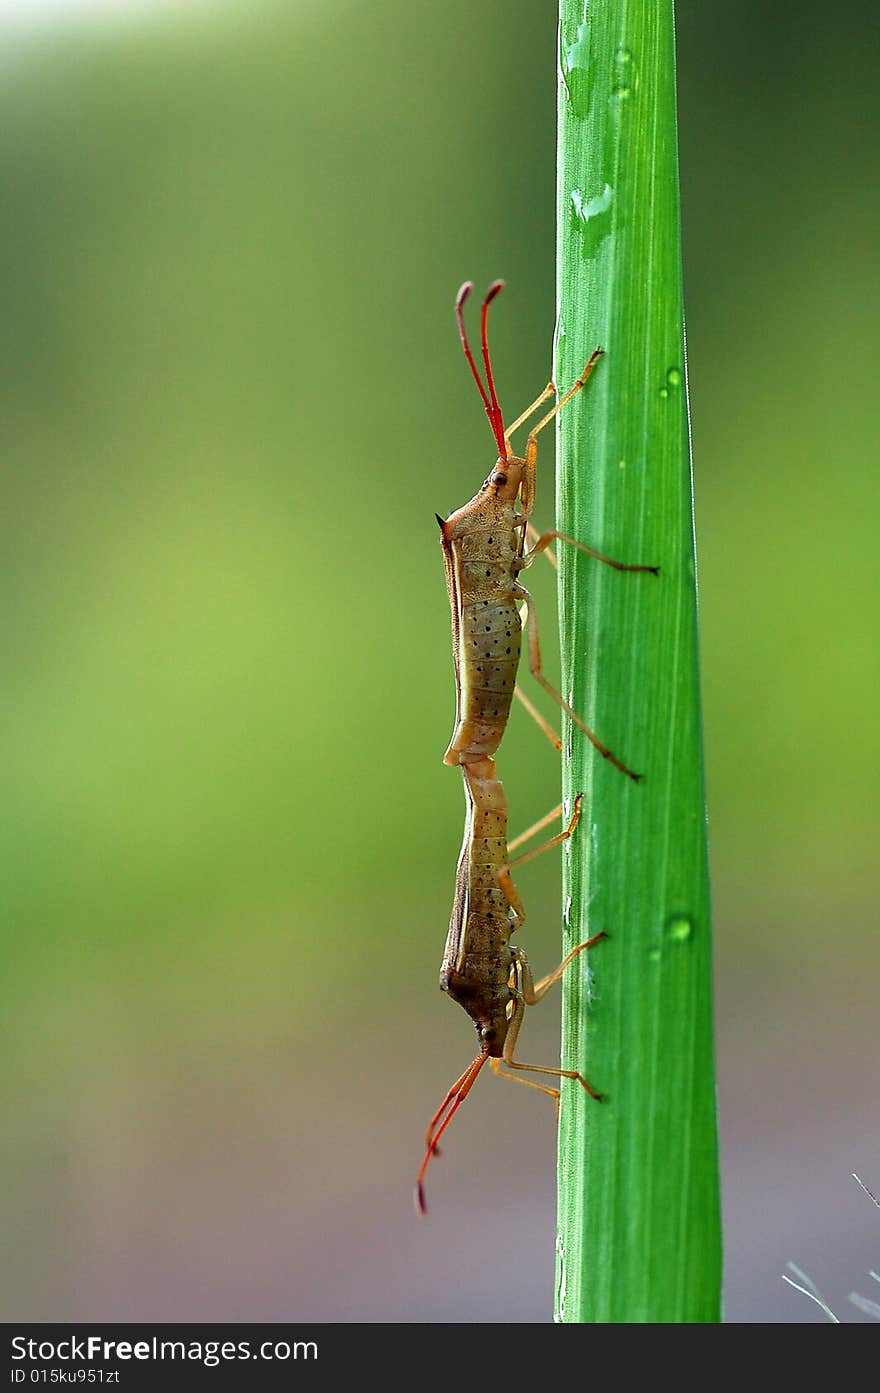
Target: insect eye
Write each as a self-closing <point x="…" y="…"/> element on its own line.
<point x="499" y="478"/>
<point x="488" y="1032"/>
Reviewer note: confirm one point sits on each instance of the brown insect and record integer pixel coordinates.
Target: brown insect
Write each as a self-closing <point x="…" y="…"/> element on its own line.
<point x="484" y="552"/>
<point x="481" y="970"/>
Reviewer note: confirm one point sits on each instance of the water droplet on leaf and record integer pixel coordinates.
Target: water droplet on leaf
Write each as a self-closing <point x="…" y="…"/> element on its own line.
<point x="575" y="71"/>
<point x="678" y="928"/>
<point x="591" y="216"/>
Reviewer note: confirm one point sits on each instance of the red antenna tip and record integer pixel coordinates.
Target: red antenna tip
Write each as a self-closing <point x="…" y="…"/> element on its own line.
<point x="494" y="289"/>
<point x="463" y="294"/>
<point x="421" y="1207"/>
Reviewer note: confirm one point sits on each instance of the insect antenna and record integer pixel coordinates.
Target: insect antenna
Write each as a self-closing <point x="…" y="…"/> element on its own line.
<point x="493" y="410"/>
<point x="453" y="1101"/>
<point x="498" y="425"/>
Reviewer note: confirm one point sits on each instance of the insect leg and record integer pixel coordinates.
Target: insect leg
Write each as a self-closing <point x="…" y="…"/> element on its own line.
<point x="538" y="718"/>
<point x="528" y="484"/>
<point x="510" y="1043"/>
<point x="511" y="894"/>
<point x="502" y="873"/>
<point x="547" y="392"/>
<point x="534" y="536"/>
<point x="542" y="541"/>
<point x="499" y="1070"/>
<point x="572" y="391"/>
<point x="536" y="827"/>
<point x="532" y="992"/>
<point x="524" y="978"/>
<point x="546" y="1069"/>
<point x="537" y="673"/>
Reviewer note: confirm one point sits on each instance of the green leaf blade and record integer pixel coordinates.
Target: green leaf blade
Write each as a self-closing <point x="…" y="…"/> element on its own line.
<point x="639" y="1227"/>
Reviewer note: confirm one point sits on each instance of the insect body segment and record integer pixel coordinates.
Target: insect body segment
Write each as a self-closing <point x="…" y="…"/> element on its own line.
<point x="482" y="543"/>
<point x="485" y="911"/>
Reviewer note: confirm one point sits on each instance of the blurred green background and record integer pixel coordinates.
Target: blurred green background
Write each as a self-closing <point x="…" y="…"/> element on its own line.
<point x="232" y="401"/>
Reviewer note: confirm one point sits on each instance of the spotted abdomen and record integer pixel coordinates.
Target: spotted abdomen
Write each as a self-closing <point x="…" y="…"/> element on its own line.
<point x="488" y="657"/>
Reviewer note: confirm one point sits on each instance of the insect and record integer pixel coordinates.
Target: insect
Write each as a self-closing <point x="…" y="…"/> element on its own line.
<point x="484" y="550"/>
<point x="481" y="971"/>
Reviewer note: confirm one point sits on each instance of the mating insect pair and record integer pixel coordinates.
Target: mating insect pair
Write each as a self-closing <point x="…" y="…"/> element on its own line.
<point x="484" y="551"/>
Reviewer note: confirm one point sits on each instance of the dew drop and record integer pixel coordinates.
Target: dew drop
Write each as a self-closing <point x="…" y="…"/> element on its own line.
<point x="671" y="382"/>
<point x="591" y="207"/>
<point x="623" y="74"/>
<point x="678" y="928"/>
<point x="591" y="217"/>
<point x="559" y="1314"/>
<point x="575" y="71"/>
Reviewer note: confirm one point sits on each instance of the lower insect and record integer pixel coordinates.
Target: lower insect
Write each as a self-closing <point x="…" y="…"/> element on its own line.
<point x="481" y="970"/>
